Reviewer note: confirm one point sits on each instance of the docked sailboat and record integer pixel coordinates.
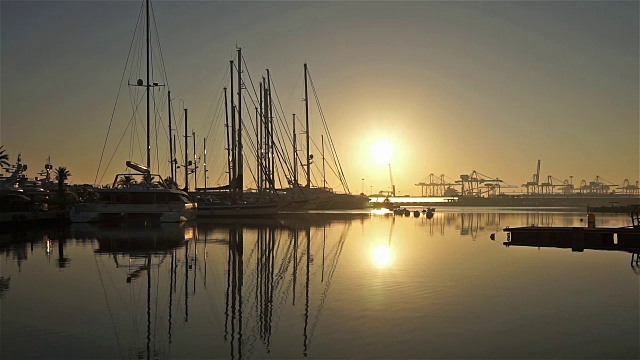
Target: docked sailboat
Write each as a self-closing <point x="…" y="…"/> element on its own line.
<point x="147" y="200"/>
<point x="229" y="200"/>
<point x="321" y="198"/>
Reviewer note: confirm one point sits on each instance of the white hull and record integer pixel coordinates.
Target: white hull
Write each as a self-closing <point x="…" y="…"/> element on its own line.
<point x="166" y="213"/>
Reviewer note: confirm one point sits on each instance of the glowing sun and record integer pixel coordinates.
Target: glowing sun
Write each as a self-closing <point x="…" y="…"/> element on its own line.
<point x="381" y="152"/>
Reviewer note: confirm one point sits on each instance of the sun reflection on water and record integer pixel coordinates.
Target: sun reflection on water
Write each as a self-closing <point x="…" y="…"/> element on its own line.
<point x="382" y="256"/>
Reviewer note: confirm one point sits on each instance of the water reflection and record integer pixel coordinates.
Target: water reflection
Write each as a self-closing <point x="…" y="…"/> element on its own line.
<point x="301" y="286"/>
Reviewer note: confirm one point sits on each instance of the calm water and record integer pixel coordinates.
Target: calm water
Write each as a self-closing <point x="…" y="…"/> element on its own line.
<point x="361" y="286"/>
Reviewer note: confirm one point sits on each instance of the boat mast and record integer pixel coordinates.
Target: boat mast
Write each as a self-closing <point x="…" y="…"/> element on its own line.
<point x="171" y="170"/>
<point x="295" y="154"/>
<point x="226" y="125"/>
<point x="259" y="138"/>
<point x="205" y="164"/>
<point x="306" y="113"/>
<point x="148" y="99"/>
<point x="195" y="162"/>
<point x="239" y="180"/>
<point x="233" y="134"/>
<point x="272" y="145"/>
<point x="257" y="148"/>
<point x="186" y="153"/>
<point x="324" y="178"/>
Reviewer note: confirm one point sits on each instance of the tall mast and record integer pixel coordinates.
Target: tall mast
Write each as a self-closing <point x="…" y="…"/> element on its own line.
<point x="324" y="179"/>
<point x="306" y="115"/>
<point x="295" y="154"/>
<point x="195" y="162"/>
<point x="171" y="169"/>
<point x="239" y="180"/>
<point x="259" y="138"/>
<point x="226" y="126"/>
<point x="272" y="145"/>
<point x="186" y="153"/>
<point x="147" y="87"/>
<point x="257" y="148"/>
<point x="205" y="163"/>
<point x="233" y="133"/>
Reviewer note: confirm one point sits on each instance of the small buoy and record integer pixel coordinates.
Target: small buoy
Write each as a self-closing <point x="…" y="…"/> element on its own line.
<point x="492" y="236"/>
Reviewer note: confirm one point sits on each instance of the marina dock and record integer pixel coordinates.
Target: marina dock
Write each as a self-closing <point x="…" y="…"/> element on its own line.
<point x="576" y="238"/>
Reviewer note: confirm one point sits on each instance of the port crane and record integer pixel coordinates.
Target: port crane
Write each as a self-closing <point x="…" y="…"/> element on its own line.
<point x="391" y="192"/>
<point x="435" y="185"/>
<point x="627" y="188"/>
<point x="533" y="185"/>
<point x="478" y="184"/>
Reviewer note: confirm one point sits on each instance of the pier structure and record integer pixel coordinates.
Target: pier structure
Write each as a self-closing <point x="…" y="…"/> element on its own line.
<point x="576" y="238"/>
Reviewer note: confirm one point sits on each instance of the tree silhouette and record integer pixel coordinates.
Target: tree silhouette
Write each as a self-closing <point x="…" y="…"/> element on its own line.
<point x="62" y="174"/>
<point x="126" y="181"/>
<point x="4" y="157"/>
<point x="170" y="183"/>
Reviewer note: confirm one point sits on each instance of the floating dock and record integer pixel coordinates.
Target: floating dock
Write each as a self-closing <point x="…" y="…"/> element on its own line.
<point x="576" y="238"/>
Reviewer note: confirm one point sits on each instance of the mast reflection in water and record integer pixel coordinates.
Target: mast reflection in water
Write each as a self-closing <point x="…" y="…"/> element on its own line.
<point x="312" y="286"/>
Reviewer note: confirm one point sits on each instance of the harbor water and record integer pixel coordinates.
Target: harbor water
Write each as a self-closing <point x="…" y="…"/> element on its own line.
<point x="321" y="285"/>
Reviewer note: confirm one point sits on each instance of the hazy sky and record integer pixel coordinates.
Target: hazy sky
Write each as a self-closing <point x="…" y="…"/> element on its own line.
<point x="452" y="86"/>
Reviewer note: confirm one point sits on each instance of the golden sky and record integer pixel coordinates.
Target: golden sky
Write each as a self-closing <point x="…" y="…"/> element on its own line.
<point x="451" y="87"/>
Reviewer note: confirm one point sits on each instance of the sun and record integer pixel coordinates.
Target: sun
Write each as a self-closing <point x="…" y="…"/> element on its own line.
<point x="381" y="152"/>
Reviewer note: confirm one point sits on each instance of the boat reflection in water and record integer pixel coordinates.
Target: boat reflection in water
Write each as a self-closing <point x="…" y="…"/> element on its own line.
<point x="139" y="254"/>
<point x="306" y="286"/>
<point x="269" y="275"/>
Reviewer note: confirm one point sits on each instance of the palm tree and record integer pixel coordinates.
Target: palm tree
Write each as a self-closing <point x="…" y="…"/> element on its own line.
<point x="62" y="174"/>
<point x="4" y="158"/>
<point x="126" y="181"/>
<point x="170" y="183"/>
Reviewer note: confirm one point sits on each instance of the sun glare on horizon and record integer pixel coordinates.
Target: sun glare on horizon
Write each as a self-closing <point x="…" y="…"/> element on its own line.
<point x="381" y="152"/>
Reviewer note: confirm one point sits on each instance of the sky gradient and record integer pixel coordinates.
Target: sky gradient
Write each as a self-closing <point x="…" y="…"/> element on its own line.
<point x="452" y="86"/>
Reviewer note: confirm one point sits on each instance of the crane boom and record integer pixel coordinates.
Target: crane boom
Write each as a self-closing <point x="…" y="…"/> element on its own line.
<point x="393" y="187"/>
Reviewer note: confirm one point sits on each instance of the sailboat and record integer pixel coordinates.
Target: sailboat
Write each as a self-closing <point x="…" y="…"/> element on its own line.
<point x="228" y="201"/>
<point x="321" y="198"/>
<point x="146" y="201"/>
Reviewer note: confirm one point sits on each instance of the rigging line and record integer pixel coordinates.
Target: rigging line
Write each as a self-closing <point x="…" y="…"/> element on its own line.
<point x="325" y="292"/>
<point x="331" y="144"/>
<point x="286" y="123"/>
<point x="118" y="145"/>
<point x="155" y="26"/>
<point x="104" y="291"/>
<point x="253" y="87"/>
<point x="117" y="96"/>
<point x="211" y="113"/>
<point x="216" y="117"/>
<point x="326" y="128"/>
<point x="283" y="124"/>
